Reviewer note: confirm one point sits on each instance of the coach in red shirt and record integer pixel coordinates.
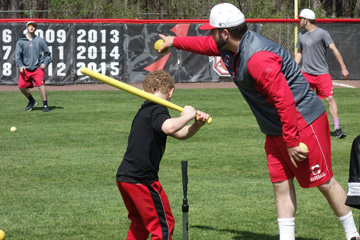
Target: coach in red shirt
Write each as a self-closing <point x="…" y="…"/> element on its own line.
<point x="287" y="110"/>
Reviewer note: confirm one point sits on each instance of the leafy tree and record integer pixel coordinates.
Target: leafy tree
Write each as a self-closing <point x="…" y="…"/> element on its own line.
<point x="170" y="9"/>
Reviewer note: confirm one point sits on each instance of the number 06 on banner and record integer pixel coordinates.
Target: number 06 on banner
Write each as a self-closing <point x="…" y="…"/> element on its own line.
<point x="133" y="90"/>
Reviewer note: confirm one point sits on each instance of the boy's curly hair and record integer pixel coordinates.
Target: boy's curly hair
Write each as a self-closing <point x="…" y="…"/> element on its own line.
<point x="158" y="81"/>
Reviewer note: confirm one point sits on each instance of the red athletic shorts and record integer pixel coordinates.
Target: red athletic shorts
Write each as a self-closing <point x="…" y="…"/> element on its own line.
<point x="149" y="211"/>
<point x="321" y="84"/>
<point x="29" y="79"/>
<point x="313" y="171"/>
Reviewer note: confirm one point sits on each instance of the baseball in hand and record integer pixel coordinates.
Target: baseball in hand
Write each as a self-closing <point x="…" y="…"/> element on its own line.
<point x="12" y="129"/>
<point x="158" y="44"/>
<point x="303" y="147"/>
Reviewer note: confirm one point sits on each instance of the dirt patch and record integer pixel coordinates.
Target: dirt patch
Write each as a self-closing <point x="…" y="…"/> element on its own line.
<point x="79" y="87"/>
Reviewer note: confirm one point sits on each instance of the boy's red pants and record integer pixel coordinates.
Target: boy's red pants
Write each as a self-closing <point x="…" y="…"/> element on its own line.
<point x="149" y="211"/>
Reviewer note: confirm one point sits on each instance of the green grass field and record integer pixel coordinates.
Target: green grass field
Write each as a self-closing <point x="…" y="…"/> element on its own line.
<point x="57" y="172"/>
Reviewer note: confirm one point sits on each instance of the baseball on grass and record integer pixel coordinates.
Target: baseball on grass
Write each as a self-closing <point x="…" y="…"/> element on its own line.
<point x="2" y="235"/>
<point x="158" y="44"/>
<point x="12" y="129"/>
<point x="303" y="147"/>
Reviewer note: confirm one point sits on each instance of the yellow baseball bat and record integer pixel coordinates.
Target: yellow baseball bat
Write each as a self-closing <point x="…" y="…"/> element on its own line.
<point x="133" y="90"/>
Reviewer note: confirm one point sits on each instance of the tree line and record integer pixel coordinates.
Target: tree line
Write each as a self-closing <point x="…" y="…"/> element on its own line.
<point x="170" y="9"/>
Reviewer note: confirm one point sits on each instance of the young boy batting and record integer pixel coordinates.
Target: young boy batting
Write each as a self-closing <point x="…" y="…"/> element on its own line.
<point x="137" y="176"/>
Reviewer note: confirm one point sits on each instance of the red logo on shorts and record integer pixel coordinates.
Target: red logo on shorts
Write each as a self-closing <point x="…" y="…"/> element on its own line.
<point x="316" y="172"/>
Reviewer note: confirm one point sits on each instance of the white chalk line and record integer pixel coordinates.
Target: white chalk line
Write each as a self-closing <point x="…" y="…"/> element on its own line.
<point x="343" y="85"/>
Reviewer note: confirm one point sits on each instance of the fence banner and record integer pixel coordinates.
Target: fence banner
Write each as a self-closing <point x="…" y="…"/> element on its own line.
<point x="59" y="39"/>
<point x="125" y="51"/>
<point x="183" y="66"/>
<point x="99" y="47"/>
<point x="345" y="37"/>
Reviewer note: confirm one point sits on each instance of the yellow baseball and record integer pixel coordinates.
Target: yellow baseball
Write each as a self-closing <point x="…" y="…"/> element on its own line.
<point x="303" y="147"/>
<point x="158" y="44"/>
<point x="2" y="235"/>
<point x="12" y="129"/>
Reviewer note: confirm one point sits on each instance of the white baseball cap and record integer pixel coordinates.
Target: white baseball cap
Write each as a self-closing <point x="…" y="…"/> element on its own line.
<point x="224" y="15"/>
<point x="307" y="13"/>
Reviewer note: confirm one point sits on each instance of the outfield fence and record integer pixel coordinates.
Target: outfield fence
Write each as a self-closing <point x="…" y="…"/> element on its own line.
<point x="123" y="48"/>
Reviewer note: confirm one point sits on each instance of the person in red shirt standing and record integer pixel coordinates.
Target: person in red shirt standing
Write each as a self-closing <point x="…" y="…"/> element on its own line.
<point x="287" y="111"/>
<point x="312" y="45"/>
